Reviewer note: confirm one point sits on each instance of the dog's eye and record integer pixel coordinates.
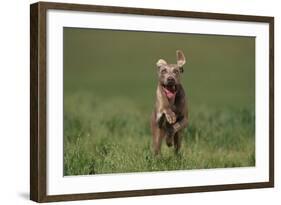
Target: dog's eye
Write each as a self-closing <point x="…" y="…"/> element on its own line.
<point x="163" y="71"/>
<point x="176" y="71"/>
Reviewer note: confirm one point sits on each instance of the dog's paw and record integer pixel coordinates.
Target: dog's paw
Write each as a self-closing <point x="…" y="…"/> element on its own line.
<point x="176" y="127"/>
<point x="171" y="117"/>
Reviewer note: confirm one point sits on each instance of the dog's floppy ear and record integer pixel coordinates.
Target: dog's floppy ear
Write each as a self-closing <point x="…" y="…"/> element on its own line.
<point x="161" y="62"/>
<point x="180" y="59"/>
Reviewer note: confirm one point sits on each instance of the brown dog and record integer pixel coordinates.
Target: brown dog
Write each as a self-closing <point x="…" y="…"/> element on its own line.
<point x="170" y="113"/>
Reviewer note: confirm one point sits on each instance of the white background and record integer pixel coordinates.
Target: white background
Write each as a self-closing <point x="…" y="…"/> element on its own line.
<point x="14" y="108"/>
<point x="57" y="184"/>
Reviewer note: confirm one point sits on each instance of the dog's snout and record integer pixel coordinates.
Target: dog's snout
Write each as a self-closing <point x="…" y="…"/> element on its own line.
<point x="170" y="79"/>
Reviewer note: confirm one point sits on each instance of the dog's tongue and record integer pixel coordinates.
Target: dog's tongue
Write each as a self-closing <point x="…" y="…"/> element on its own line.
<point x="170" y="94"/>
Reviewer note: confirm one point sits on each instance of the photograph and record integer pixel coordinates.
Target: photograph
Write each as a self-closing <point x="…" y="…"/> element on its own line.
<point x="143" y="101"/>
<point x="128" y="101"/>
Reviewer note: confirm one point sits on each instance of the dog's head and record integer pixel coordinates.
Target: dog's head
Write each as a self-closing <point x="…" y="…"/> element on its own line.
<point x="169" y="74"/>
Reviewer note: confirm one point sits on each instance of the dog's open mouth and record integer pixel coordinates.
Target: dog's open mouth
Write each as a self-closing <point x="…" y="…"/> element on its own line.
<point x="170" y="91"/>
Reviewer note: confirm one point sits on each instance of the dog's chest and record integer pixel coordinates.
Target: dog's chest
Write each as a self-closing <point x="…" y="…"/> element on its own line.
<point x="172" y="100"/>
<point x="175" y="104"/>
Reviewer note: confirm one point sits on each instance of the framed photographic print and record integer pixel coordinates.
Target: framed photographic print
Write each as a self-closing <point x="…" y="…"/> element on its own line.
<point x="134" y="102"/>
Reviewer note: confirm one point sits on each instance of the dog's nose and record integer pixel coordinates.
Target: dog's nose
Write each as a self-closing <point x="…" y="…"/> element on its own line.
<point x="170" y="79"/>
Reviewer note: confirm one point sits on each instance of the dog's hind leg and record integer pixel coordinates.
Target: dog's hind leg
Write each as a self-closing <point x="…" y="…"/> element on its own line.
<point x="169" y="140"/>
<point x="157" y="140"/>
<point x="169" y="130"/>
<point x="177" y="142"/>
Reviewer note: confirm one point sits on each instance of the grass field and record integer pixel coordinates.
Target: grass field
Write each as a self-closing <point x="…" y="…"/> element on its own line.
<point x="109" y="89"/>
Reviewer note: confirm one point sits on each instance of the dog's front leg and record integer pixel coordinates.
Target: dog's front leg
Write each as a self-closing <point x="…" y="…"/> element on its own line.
<point x="166" y="113"/>
<point x="163" y="108"/>
<point x="170" y="115"/>
<point x="180" y="124"/>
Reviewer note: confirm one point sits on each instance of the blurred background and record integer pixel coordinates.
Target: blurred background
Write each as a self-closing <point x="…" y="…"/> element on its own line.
<point x="109" y="92"/>
<point x="220" y="70"/>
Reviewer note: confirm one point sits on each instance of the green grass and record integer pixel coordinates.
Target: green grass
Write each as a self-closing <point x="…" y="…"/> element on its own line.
<point x="109" y="91"/>
<point x="103" y="137"/>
